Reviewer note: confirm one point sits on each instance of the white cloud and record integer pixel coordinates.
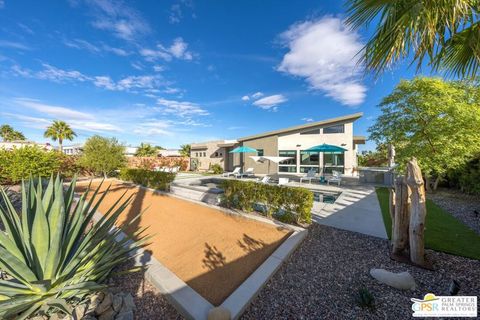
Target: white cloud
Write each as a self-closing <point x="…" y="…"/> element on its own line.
<point x="58" y="75"/>
<point x="137" y="65"/>
<point x="325" y="52"/>
<point x="245" y="98"/>
<point x="53" y="111"/>
<point x="145" y="82"/>
<point x="307" y="119"/>
<point x="117" y="51"/>
<point x="154" y="128"/>
<point x="85" y="45"/>
<point x="178" y="49"/>
<point x="2" y="4"/>
<point x="116" y="17"/>
<point x="13" y="45"/>
<point x="158" y="68"/>
<point x="104" y="82"/>
<point x="270" y="102"/>
<point x="170" y="90"/>
<point x="257" y="95"/>
<point x="181" y="108"/>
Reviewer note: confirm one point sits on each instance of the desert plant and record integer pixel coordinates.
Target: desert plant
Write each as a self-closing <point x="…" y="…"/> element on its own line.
<point x="152" y="179"/>
<point x="365" y="299"/>
<point x="146" y="150"/>
<point x="216" y="168"/>
<point x="103" y="155"/>
<point x="185" y="150"/>
<point x="54" y="250"/>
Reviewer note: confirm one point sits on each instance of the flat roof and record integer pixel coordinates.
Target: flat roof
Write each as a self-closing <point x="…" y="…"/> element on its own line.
<point x="353" y="116"/>
<point x="359" y="139"/>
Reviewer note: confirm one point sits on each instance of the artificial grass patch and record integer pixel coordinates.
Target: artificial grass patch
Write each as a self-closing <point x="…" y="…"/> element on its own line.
<point x="443" y="232"/>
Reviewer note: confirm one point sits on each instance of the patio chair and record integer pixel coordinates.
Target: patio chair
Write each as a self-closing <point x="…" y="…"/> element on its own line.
<point x="234" y="172"/>
<point x="264" y="180"/>
<point x="310" y="176"/>
<point x="248" y="173"/>
<point x="335" y="178"/>
<point x="283" y="181"/>
<point x="174" y="170"/>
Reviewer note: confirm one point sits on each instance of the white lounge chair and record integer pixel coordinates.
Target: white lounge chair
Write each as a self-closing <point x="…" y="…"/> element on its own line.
<point x="264" y="180"/>
<point x="335" y="178"/>
<point x="233" y="173"/>
<point x="174" y="170"/>
<point x="248" y="173"/>
<point x="283" y="181"/>
<point x="310" y="176"/>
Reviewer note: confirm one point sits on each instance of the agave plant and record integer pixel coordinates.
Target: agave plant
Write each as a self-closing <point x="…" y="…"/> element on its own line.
<point x="54" y="250"/>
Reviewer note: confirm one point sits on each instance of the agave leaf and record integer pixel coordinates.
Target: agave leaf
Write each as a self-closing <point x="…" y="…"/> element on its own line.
<point x="11" y="246"/>
<point x="15" y="267"/>
<point x="40" y="233"/>
<point x="48" y="195"/>
<point x="60" y="304"/>
<point x="10" y="219"/>
<point x="26" y="222"/>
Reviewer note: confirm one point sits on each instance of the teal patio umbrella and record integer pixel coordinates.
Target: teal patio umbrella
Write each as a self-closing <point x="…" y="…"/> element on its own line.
<point x="326" y="148"/>
<point x="243" y="149"/>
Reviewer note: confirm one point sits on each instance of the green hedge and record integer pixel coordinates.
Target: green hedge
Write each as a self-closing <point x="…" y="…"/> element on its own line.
<point x="467" y="177"/>
<point x="20" y="163"/>
<point x="152" y="179"/>
<point x="287" y="204"/>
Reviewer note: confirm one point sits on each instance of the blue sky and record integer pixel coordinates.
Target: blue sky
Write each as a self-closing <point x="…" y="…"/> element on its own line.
<point x="174" y="72"/>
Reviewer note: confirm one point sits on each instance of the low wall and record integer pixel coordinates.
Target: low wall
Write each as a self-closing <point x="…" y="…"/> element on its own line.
<point x="152" y="162"/>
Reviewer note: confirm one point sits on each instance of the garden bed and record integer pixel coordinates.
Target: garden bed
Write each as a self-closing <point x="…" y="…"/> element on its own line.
<point x="211" y="251"/>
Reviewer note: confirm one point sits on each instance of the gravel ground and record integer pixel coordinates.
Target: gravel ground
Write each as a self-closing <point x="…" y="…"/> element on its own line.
<point x="150" y="303"/>
<point x="320" y="279"/>
<point x="460" y="205"/>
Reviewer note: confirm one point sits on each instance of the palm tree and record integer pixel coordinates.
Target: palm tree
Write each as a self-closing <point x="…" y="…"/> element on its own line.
<point x="185" y="150"/>
<point x="9" y="134"/>
<point x="447" y="32"/>
<point x="59" y="130"/>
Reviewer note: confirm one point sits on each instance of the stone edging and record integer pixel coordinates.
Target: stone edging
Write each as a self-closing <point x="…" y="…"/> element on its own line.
<point x="191" y="304"/>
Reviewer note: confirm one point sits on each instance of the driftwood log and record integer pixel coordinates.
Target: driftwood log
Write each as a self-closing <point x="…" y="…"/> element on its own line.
<point x="418" y="212"/>
<point x="401" y="223"/>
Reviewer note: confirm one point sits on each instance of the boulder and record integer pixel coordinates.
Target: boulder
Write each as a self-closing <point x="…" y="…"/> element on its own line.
<point x="108" y="314"/>
<point x="125" y="316"/>
<point x="402" y="280"/>
<point x="219" y="313"/>
<point x="79" y="311"/>
<point x="105" y="304"/>
<point x="117" y="302"/>
<point x="128" y="303"/>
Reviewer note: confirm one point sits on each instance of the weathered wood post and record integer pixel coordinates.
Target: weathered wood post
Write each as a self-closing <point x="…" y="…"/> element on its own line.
<point x="418" y="212"/>
<point x="402" y="218"/>
<point x="391" y="205"/>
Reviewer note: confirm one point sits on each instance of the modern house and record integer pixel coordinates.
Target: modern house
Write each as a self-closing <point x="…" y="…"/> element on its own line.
<point x="73" y="150"/>
<point x="169" y="153"/>
<point x="10" y="145"/>
<point x="289" y="142"/>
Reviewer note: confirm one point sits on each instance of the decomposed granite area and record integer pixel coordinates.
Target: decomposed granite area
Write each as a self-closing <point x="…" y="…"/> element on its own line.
<point x="211" y="251"/>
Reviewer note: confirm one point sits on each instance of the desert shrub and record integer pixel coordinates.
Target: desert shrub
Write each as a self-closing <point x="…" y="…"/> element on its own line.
<point x="287" y="204"/>
<point x="152" y="179"/>
<point x="467" y="177"/>
<point x="365" y="299"/>
<point x="20" y="163"/>
<point x="103" y="155"/>
<point x="216" y="168"/>
<point x="55" y="251"/>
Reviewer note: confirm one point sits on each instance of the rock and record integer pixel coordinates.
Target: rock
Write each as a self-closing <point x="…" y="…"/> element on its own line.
<point x="79" y="311"/>
<point x="117" y="302"/>
<point x="125" y="316"/>
<point x="108" y="314"/>
<point x="56" y="316"/>
<point x="128" y="303"/>
<point x="219" y="313"/>
<point x="105" y="304"/>
<point x="402" y="280"/>
<point x="95" y="300"/>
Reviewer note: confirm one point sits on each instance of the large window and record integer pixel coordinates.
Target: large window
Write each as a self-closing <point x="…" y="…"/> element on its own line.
<point x="314" y="131"/>
<point x="309" y="161"/>
<point x="260" y="152"/>
<point x="289" y="165"/>
<point x="333" y="162"/>
<point x="334" y="129"/>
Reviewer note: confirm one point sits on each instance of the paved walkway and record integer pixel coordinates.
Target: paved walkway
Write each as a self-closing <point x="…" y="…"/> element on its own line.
<point x="356" y="209"/>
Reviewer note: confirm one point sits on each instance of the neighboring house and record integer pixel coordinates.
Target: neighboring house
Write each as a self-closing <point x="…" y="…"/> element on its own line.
<point x="289" y="142"/>
<point x="130" y="151"/>
<point x="169" y="153"/>
<point x="9" y="145"/>
<point x="73" y="150"/>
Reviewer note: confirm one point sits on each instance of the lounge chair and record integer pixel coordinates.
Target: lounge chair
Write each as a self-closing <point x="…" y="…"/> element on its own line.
<point x="283" y="181"/>
<point x="248" y="173"/>
<point x="233" y="173"/>
<point x="174" y="170"/>
<point x="310" y="176"/>
<point x="264" y="180"/>
<point x="335" y="178"/>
